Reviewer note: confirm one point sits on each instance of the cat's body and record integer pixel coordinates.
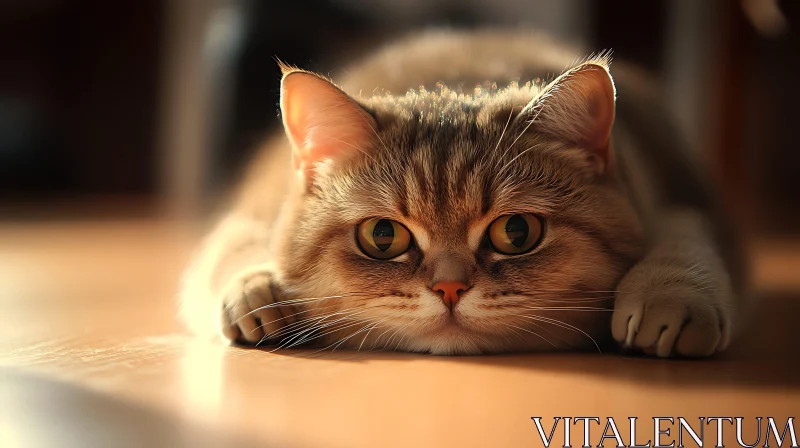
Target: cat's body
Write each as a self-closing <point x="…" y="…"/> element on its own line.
<point x="624" y="224"/>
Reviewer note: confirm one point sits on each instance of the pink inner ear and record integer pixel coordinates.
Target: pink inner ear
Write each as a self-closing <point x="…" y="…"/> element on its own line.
<point x="321" y="121"/>
<point x="598" y="88"/>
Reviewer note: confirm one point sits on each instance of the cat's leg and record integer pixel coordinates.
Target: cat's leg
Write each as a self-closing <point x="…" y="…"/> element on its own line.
<point x="678" y="300"/>
<point x="229" y="288"/>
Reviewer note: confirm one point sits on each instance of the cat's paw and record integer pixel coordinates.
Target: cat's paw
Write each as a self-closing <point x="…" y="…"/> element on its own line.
<point x="670" y="319"/>
<point x="250" y="314"/>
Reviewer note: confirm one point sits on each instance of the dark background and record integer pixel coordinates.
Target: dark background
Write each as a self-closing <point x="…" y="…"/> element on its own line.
<point x="85" y="88"/>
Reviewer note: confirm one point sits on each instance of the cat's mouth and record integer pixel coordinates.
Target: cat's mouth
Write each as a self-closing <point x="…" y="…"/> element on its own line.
<point x="452" y="325"/>
<point x="450" y="337"/>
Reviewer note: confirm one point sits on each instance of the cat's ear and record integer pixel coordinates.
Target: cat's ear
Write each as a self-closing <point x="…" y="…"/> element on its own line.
<point x="579" y="107"/>
<point x="321" y="121"/>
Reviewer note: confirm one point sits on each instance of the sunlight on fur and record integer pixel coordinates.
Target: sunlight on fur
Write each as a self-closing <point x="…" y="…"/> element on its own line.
<point x="524" y="215"/>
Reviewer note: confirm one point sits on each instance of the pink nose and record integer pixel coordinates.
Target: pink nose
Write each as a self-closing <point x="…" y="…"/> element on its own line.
<point x="450" y="291"/>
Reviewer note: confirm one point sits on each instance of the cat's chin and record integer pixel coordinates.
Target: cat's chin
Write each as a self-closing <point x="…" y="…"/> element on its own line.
<point x="453" y="338"/>
<point x="457" y="337"/>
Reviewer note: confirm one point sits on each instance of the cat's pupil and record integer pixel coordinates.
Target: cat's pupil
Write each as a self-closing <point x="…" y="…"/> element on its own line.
<point x="517" y="230"/>
<point x="383" y="234"/>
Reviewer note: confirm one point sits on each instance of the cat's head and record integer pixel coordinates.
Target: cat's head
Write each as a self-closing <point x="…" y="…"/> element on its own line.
<point x="449" y="223"/>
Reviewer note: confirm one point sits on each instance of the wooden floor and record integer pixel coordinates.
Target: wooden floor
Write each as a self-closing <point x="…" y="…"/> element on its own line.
<point x="91" y="355"/>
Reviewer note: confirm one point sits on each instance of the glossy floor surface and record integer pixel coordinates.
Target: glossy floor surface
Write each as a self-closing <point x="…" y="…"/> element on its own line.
<point x="91" y="355"/>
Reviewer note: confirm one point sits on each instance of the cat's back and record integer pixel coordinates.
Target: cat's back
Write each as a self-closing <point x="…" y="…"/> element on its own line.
<point x="458" y="59"/>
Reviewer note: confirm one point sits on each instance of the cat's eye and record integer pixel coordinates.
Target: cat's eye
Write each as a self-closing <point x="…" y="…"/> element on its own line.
<point x="515" y="234"/>
<point x="382" y="238"/>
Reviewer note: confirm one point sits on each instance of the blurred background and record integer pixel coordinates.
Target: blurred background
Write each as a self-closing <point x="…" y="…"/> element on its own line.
<point x="150" y="107"/>
<point x="123" y="122"/>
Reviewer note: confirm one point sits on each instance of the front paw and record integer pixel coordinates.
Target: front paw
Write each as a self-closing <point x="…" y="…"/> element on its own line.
<point x="671" y="317"/>
<point x="251" y="313"/>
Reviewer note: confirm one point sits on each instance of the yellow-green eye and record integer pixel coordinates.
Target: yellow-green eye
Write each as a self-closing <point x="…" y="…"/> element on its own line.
<point x="515" y="234"/>
<point x="382" y="238"/>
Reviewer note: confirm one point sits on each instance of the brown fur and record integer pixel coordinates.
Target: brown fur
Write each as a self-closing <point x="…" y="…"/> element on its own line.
<point x="445" y="162"/>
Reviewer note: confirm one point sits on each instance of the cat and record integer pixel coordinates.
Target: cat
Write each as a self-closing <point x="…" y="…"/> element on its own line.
<point x="402" y="209"/>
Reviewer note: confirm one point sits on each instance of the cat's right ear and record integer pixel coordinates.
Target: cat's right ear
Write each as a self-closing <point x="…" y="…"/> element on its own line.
<point x="321" y="121"/>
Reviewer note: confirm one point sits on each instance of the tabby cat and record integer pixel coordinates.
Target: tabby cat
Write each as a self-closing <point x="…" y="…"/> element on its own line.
<point x="404" y="208"/>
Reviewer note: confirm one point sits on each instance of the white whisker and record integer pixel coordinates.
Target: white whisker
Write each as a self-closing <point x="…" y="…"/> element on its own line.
<point x="565" y="325"/>
<point x="502" y="134"/>
<point x="531" y="332"/>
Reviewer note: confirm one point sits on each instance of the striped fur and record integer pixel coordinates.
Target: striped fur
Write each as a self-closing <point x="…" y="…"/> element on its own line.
<point x="625" y="252"/>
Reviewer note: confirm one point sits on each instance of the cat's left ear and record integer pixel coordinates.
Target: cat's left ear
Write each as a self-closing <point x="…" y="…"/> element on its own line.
<point x="579" y="107"/>
<point x="321" y="121"/>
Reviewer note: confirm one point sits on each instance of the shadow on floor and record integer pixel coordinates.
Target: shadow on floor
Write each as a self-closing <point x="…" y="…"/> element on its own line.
<point x="42" y="412"/>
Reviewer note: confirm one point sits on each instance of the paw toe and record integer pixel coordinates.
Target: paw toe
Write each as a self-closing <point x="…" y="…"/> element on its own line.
<point x="700" y="337"/>
<point x="666" y="341"/>
<point x="654" y="326"/>
<point x="229" y="331"/>
<point x="625" y="323"/>
<point x="249" y="324"/>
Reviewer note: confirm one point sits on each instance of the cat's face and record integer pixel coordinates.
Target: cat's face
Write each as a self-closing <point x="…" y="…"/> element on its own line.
<point x="455" y="227"/>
